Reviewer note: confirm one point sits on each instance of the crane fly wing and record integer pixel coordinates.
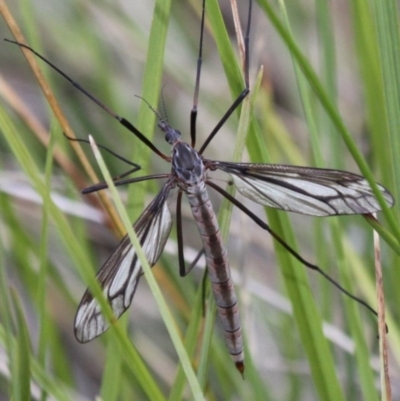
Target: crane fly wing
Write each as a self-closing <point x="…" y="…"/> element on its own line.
<point x="120" y="274"/>
<point x="305" y="190"/>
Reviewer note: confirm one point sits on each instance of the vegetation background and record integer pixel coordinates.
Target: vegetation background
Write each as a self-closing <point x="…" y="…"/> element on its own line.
<point x="330" y="69"/>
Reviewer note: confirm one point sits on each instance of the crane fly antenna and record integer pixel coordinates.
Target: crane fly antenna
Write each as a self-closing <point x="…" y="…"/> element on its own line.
<point x="120" y="119"/>
<point x="153" y="109"/>
<point x="162" y="122"/>
<point x="163" y="104"/>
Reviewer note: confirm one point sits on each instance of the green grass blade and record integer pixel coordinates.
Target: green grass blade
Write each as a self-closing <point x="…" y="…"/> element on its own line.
<point x="21" y="371"/>
<point x="190" y="342"/>
<point x="165" y="313"/>
<point x="151" y="91"/>
<point x="79" y="258"/>
<point x="364" y="369"/>
<point x="305" y="312"/>
<point x="329" y="107"/>
<point x="389" y="44"/>
<point x="112" y="378"/>
<point x="44" y="336"/>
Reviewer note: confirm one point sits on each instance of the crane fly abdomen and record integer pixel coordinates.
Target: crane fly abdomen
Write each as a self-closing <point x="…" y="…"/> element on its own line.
<point x="218" y="271"/>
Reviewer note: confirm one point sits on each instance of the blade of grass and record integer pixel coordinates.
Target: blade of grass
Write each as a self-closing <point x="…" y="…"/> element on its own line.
<point x="306" y="316"/>
<point x="206" y="343"/>
<point x="364" y="369"/>
<point x="112" y="377"/>
<point x="233" y="73"/>
<point x="329" y="107"/>
<point x="305" y="311"/>
<point x="5" y="12"/>
<point x="389" y="44"/>
<point x="164" y="311"/>
<point x="225" y="51"/>
<point x="45" y="381"/>
<point x="20" y="107"/>
<point x="367" y="48"/>
<point x="190" y="342"/>
<point x="362" y="353"/>
<point x="5" y="304"/>
<point x="79" y="258"/>
<point x="21" y="370"/>
<point x="152" y="79"/>
<point x="382" y="328"/>
<point x="388" y="38"/>
<point x="44" y="342"/>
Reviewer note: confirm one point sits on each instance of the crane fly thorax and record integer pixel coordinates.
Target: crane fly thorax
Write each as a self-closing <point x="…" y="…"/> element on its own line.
<point x="187" y="165"/>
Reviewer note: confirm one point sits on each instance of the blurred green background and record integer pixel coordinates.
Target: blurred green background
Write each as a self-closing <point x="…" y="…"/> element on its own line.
<point x="328" y="351"/>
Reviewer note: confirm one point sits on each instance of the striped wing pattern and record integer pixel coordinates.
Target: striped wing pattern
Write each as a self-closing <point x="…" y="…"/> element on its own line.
<point x="305" y="190"/>
<point x="120" y="274"/>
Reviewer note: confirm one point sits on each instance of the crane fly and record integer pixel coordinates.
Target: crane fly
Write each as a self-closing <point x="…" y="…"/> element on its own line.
<point x="305" y="190"/>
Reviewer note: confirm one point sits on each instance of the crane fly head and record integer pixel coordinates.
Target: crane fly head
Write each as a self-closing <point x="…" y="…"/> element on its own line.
<point x="172" y="136"/>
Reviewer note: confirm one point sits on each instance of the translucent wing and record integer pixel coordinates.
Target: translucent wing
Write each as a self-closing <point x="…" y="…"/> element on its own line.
<point x="120" y="274"/>
<point x="305" y="190"/>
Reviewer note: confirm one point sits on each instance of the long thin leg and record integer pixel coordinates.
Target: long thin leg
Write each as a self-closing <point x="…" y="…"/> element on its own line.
<point x="247" y="47"/>
<point x="183" y="271"/>
<point x="245" y="91"/>
<point x="136" y="166"/>
<point x="266" y="227"/>
<point x="179" y="234"/>
<point x="193" y="113"/>
<point x="118" y="182"/>
<point x="204" y="282"/>
<point x="195" y="260"/>
<point x="121" y="120"/>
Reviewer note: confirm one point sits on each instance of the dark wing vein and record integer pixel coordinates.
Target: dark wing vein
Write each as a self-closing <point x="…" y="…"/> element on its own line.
<point x="305" y="190"/>
<point x="120" y="274"/>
